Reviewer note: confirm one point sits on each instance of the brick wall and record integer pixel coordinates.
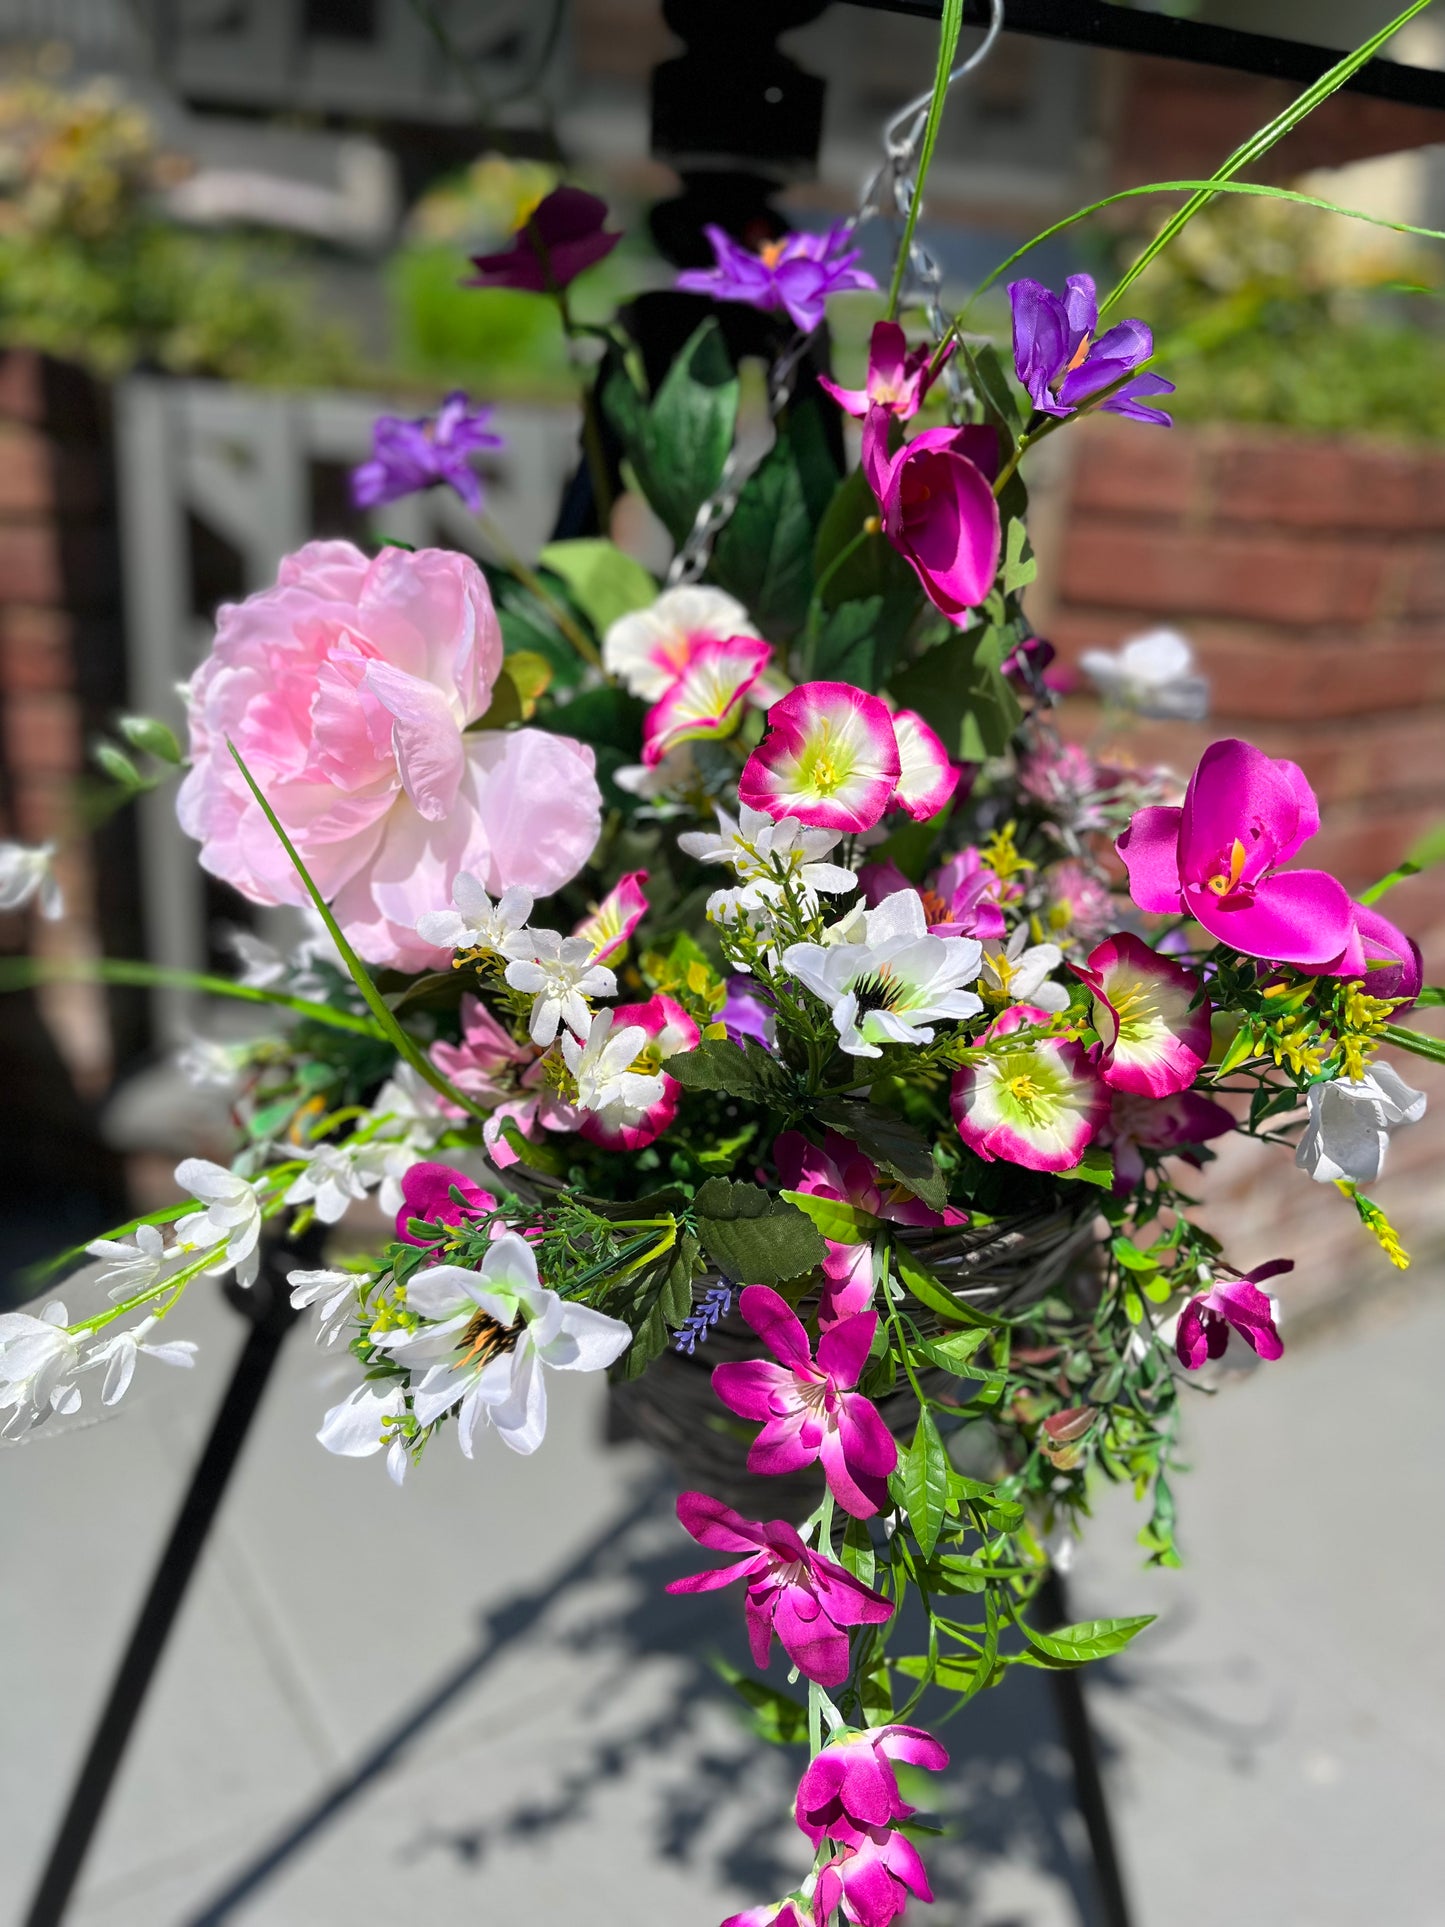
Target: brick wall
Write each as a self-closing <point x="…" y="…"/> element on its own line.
<point x="1309" y="574"/>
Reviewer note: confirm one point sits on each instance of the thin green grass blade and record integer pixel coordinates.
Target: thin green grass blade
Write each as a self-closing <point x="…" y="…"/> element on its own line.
<point x="952" y="25"/>
<point x="23" y="973"/>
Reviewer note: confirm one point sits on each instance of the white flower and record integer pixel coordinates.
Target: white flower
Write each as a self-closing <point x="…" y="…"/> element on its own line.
<point x="409" y="1106"/>
<point x="602" y="1066"/>
<point x="26" y="873"/>
<point x="211" y="1066"/>
<point x="333" y="1180"/>
<point x="477" y="923"/>
<point x="262" y="964"/>
<point x="891" y="987"/>
<point x="337" y="1292"/>
<point x="488" y="1334"/>
<point x="119" y="1352"/>
<point x="649" y="649"/>
<point x="562" y="976"/>
<point x="1152" y="674"/>
<point x="132" y="1268"/>
<point x="38" y="1360"/>
<point x="674" y="776"/>
<point x="360" y="1424"/>
<point x="756" y="846"/>
<point x="230" y="1221"/>
<point x="1024" y="976"/>
<point x="1350" y="1124"/>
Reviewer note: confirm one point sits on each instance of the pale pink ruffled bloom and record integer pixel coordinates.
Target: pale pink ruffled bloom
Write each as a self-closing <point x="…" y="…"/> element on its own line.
<point x="851" y="1786"/>
<point x="616" y="917"/>
<point x="484" y="1064"/>
<point x="830" y="759"/>
<point x="348" y="689"/>
<point x="811" y="1408"/>
<point x="668" y="1030"/>
<point x="898" y="377"/>
<point x="1153" y="1034"/>
<point x="1080" y="900"/>
<point x="706" y="701"/>
<point x="647" y="650"/>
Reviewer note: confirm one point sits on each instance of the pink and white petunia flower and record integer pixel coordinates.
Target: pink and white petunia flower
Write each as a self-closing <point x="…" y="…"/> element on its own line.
<point x="1154" y="1034"/>
<point x="811" y="1409"/>
<point x="649" y="649"/>
<point x="872" y="1882"/>
<point x="706" y="701"/>
<point x="1032" y="1100"/>
<point x="807" y="1600"/>
<point x="1231" y="1305"/>
<point x="851" y="1786"/>
<point x="829" y="759"/>
<point x="926" y="775"/>
<point x="616" y="917"/>
<point x="623" y="1124"/>
<point x="891" y="987"/>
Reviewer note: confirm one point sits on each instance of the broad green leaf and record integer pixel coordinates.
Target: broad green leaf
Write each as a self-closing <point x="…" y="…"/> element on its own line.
<point x="118" y="766"/>
<point x="923" y="1476"/>
<point x="952" y="1354"/>
<point x="675" y="1297"/>
<point x="994" y="387"/>
<point x="845" y="1224"/>
<point x="928" y="1291"/>
<point x="763" y="555"/>
<point x="1095" y="1167"/>
<point x="678" y="444"/>
<point x="892" y="1143"/>
<point x="849" y="569"/>
<point x="531" y="675"/>
<point x="153" y="736"/>
<point x="1131" y="1257"/>
<point x="603" y="582"/>
<point x="717" y="1064"/>
<point x="858" y="642"/>
<point x="858" y="1555"/>
<point x="1019" y="566"/>
<point x="752" y="1237"/>
<point x="959" y="688"/>
<point x="953" y="1675"/>
<point x="1090" y="1639"/>
<point x="505" y="707"/>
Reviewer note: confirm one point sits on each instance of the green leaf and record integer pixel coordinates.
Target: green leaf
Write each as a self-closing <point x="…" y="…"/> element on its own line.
<point x="1131" y="1257"/>
<point x="602" y="581"/>
<point x="1431" y="997"/>
<point x="858" y="1555"/>
<point x="953" y="1675"/>
<point x="1414" y="1040"/>
<point x="845" y="1224"/>
<point x="675" y="1298"/>
<point x="858" y="642"/>
<point x="1019" y="567"/>
<point x="773" y="1715"/>
<point x="717" y="1064"/>
<point x="923" y="1481"/>
<point x="763" y="555"/>
<point x="752" y="1237"/>
<point x="1094" y="1167"/>
<point x="994" y="388"/>
<point x="118" y="766"/>
<point x="679" y="444"/>
<point x="959" y="688"/>
<point x="871" y="566"/>
<point x="153" y="736"/>
<point x="505" y="707"/>
<point x="928" y="1291"/>
<point x="1090" y="1639"/>
<point x="892" y="1143"/>
<point x="531" y="674"/>
<point x="952" y="1354"/>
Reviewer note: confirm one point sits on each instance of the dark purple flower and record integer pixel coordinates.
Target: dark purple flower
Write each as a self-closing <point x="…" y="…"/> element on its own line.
<point x="560" y="237"/>
<point x="1230" y="1304"/>
<point x="407" y="456"/>
<point x="793" y="275"/>
<point x="1063" y="365"/>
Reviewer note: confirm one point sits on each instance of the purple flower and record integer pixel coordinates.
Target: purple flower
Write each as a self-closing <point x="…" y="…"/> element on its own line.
<point x="407" y="456"/>
<point x="1063" y="365"/>
<point x="1232" y="1304"/>
<point x="430" y="1194"/>
<point x="793" y="275"/>
<point x="749" y="1012"/>
<point x="560" y="237"/>
<point x="872" y="1882"/>
<point x="898" y="378"/>
<point x="851" y="1785"/>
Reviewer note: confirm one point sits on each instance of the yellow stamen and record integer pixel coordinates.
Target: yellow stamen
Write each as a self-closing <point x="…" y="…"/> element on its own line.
<point x="1222" y="885"/>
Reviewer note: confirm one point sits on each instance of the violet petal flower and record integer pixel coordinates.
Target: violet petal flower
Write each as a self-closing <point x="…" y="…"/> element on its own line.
<point x="793" y="275"/>
<point x="408" y="456"/>
<point x="1062" y="363"/>
<point x="562" y="236"/>
<point x="749" y="1012"/>
<point x="807" y="1600"/>
<point x="427" y="1190"/>
<point x="1230" y="1305"/>
<point x="851" y="1786"/>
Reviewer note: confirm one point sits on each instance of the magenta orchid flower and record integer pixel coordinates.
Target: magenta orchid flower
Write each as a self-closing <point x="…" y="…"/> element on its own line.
<point x="851" y="1786"/>
<point x="1062" y="362"/>
<point x="873" y="1881"/>
<point x="562" y="236"/>
<point x="927" y="776"/>
<point x="616" y="917"/>
<point x="408" y="456"/>
<point x="840" y="1171"/>
<point x="807" y="1600"/>
<point x="811" y="1409"/>
<point x="898" y="378"/>
<point x="430" y="1195"/>
<point x="706" y="701"/>
<point x="1031" y="1099"/>
<point x="829" y="760"/>
<point x="1154" y="1036"/>
<point x="1217" y="859"/>
<point x="938" y="508"/>
<point x="624" y="1126"/>
<point x="1231" y="1305"/>
<point x="1379" y="953"/>
<point x="1177" y="1124"/>
<point x="793" y="275"/>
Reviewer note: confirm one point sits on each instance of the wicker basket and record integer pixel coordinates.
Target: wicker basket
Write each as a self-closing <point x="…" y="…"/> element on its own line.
<point x="1002" y="1267"/>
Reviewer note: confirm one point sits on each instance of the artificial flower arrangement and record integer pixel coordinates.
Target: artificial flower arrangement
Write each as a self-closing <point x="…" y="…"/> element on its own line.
<point x="742" y="968"/>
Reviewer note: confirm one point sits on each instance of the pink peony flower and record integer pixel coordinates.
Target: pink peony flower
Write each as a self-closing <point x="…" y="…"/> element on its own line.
<point x="349" y="688"/>
<point x="428" y="1194"/>
<point x="1154" y="1037"/>
<point x="1176" y="1124"/>
<point x="898" y="379"/>
<point x="706" y="701"/>
<point x="807" y="1600"/>
<point x="484" y="1064"/>
<point x="851" y="1787"/>
<point x="1230" y="1305"/>
<point x="841" y="1171"/>
<point x="1217" y="859"/>
<point x="872" y="1882"/>
<point x="829" y="760"/>
<point x="1037" y="1102"/>
<point x="938" y="508"/>
<point x="811" y="1410"/>
<point x="669" y="1029"/>
<point x="616" y="917"/>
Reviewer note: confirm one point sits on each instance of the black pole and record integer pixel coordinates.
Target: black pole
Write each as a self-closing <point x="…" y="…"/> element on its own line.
<point x="268" y="1308"/>
<point x="1078" y="1735"/>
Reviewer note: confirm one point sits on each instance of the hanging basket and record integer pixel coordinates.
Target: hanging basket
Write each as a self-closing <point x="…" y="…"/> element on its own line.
<point x="1000" y="1268"/>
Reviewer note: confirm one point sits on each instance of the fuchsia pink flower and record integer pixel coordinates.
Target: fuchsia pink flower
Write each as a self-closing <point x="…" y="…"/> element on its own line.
<point x="1036" y="1102"/>
<point x="961" y="899"/>
<point x="1174" y="1124"/>
<point x="1217" y="859"/>
<point x="1379" y="953"/>
<point x="1153" y="1035"/>
<point x="707" y="698"/>
<point x="811" y="1409"/>
<point x="427" y="1193"/>
<point x="851" y="1786"/>
<point x="793" y="275"/>
<point x="624" y="1127"/>
<point x="562" y="236"/>
<point x="1230" y="1305"/>
<point x="898" y="378"/>
<point x="840" y="1170"/>
<point x="616" y="917"/>
<point x="776" y="1913"/>
<point x="938" y="508"/>
<point x="927" y="777"/>
<point x="873" y="1881"/>
<point x="1063" y="364"/>
<point x="830" y="759"/>
<point x="486" y="1060"/>
<point x="807" y="1600"/>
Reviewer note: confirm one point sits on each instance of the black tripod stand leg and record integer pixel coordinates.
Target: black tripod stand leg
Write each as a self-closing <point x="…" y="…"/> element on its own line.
<point x="272" y="1317"/>
<point x="1088" y="1780"/>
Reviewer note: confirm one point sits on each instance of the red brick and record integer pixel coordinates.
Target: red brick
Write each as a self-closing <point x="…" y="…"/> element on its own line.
<point x="1270" y="578"/>
<point x="22" y="385"/>
<point x="27" y="477"/>
<point x="42" y="733"/>
<point x="1304" y="481"/>
<point x="30" y="568"/>
<point x="36" y="649"/>
<point x="1422" y="589"/>
<point x="1148" y="475"/>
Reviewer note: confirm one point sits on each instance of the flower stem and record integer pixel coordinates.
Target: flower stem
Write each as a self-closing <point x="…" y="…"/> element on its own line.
<point x="952" y="25"/>
<point x="530" y="581"/>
